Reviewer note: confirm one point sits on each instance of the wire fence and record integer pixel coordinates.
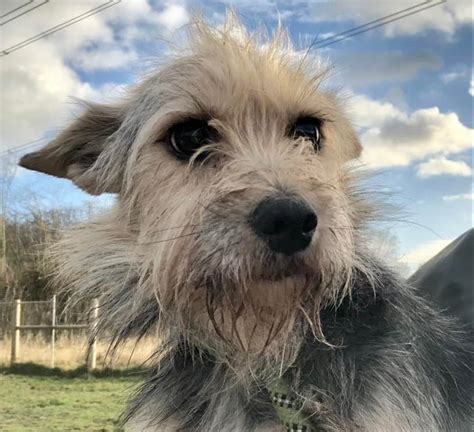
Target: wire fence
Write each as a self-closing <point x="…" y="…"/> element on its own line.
<point x="24" y="318"/>
<point x="37" y="312"/>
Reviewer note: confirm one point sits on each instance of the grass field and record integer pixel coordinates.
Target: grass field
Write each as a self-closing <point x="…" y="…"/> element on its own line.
<point x="35" y="398"/>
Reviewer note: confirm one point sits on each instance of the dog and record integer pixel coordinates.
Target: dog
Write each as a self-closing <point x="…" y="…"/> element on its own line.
<point x="240" y="234"/>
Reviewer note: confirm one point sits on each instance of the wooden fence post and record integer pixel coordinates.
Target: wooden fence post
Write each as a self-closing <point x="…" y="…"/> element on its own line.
<point x="92" y="352"/>
<point x="53" y="330"/>
<point x="16" y="331"/>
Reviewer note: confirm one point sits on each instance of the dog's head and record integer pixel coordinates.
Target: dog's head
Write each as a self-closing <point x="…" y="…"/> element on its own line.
<point x="235" y="208"/>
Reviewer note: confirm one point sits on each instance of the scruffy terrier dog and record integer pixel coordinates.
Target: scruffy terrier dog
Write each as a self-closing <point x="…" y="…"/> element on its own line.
<point x="240" y="234"/>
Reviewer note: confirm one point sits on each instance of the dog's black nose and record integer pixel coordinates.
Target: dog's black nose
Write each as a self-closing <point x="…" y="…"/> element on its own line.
<point x="287" y="225"/>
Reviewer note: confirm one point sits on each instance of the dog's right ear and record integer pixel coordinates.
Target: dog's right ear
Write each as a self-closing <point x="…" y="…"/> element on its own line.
<point x="77" y="153"/>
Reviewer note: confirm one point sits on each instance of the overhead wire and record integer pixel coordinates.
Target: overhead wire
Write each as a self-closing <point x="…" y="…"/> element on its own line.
<point x="16" y="8"/>
<point x="22" y="13"/>
<point x="59" y="27"/>
<point x="379" y="22"/>
<point x="29" y="144"/>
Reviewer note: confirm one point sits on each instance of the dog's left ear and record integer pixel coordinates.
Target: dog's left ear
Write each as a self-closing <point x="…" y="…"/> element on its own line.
<point x="82" y="151"/>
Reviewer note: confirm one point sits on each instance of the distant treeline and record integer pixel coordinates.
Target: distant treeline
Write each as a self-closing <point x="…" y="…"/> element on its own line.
<point x="26" y="267"/>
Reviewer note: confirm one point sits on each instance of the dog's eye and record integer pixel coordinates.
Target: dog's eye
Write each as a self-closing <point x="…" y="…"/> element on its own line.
<point x="309" y="128"/>
<point x="188" y="137"/>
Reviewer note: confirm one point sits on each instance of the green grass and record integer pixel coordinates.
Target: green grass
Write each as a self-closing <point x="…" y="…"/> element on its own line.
<point x="34" y="398"/>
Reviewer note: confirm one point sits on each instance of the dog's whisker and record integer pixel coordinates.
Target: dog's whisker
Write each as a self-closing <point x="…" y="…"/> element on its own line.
<point x="175" y="227"/>
<point x="427" y="228"/>
<point x="337" y="228"/>
<point x="211" y="211"/>
<point x="174" y="238"/>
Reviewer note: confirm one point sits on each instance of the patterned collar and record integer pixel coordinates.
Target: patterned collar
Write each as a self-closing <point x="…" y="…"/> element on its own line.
<point x="288" y="407"/>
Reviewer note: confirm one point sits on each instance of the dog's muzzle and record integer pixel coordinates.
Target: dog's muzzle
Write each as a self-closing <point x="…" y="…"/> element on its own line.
<point x="287" y="225"/>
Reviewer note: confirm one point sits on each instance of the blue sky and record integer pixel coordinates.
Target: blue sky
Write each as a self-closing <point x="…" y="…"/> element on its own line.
<point x="408" y="84"/>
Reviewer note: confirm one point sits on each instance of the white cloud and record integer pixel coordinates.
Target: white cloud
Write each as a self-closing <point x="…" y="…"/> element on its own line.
<point x="423" y="253"/>
<point x="36" y="86"/>
<point x="173" y="17"/>
<point x="142" y="22"/>
<point x="459" y="72"/>
<point x="446" y="17"/>
<point x="103" y="58"/>
<point x="395" y="66"/>
<point x="327" y="35"/>
<point x="392" y="137"/>
<point x="459" y="197"/>
<point x="471" y="85"/>
<point x="368" y="113"/>
<point x="448" y="77"/>
<point x="442" y="166"/>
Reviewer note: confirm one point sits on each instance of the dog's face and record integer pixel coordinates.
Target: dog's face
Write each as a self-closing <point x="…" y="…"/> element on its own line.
<point x="233" y="192"/>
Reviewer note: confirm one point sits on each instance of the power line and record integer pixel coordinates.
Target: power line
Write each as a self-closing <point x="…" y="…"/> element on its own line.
<point x="22" y="13"/>
<point x="22" y="147"/>
<point x="379" y="22"/>
<point x="382" y="24"/>
<point x="336" y="36"/>
<point x="59" y="27"/>
<point x="16" y="8"/>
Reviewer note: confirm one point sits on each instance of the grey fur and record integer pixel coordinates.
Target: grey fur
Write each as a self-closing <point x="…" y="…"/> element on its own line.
<point x="394" y="359"/>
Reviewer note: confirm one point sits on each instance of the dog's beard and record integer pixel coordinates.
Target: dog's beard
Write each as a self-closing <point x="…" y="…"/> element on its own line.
<point x="256" y="314"/>
<point x="250" y="316"/>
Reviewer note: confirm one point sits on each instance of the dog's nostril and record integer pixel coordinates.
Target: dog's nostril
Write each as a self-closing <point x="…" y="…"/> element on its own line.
<point x="287" y="225"/>
<point x="310" y="222"/>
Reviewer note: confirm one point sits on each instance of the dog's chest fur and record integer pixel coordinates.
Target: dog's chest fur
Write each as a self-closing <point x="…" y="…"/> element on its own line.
<point x="387" y="372"/>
